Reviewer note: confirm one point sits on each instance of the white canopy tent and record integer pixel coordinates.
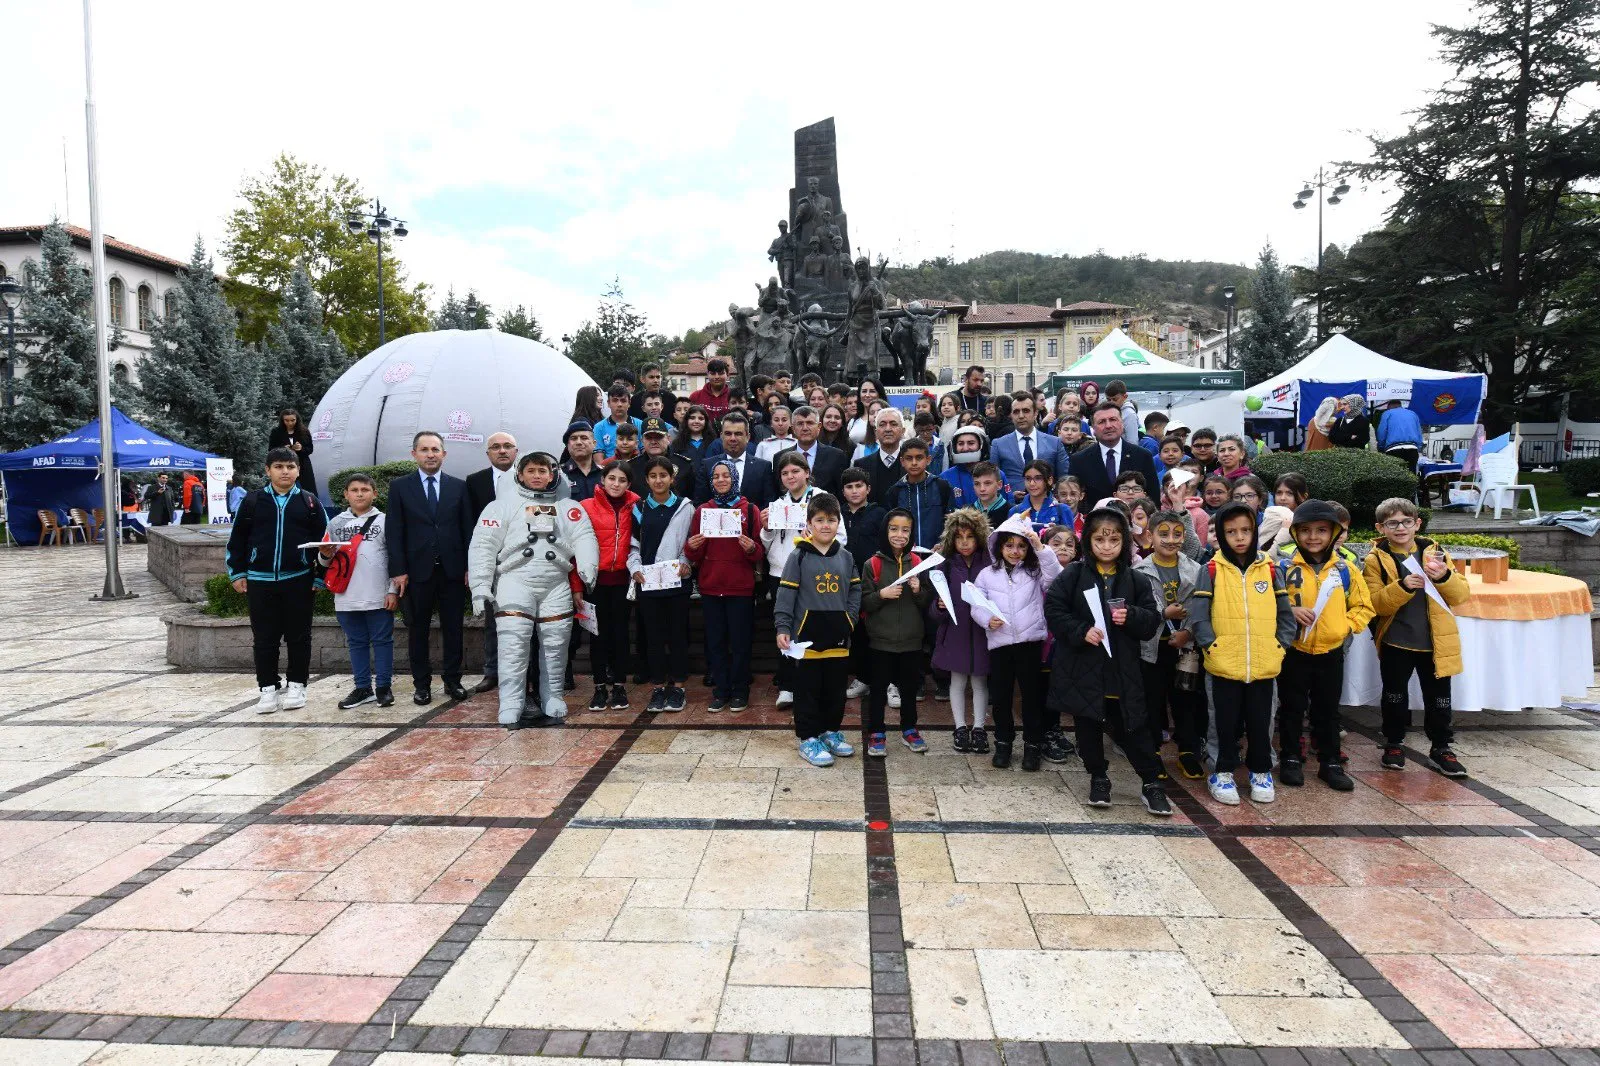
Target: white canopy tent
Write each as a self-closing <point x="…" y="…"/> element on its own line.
<point x="1154" y="383"/>
<point x="1340" y="364"/>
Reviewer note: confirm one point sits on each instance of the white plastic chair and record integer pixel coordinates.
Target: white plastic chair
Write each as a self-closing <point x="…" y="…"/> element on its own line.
<point x="1497" y="474"/>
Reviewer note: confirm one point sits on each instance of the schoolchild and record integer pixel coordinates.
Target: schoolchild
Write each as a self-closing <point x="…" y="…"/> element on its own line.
<point x="989" y="487"/>
<point x="1039" y="502"/>
<point x="794" y="475"/>
<point x="726" y="577"/>
<point x="1015" y="582"/>
<point x="661" y="527"/>
<point x="960" y="645"/>
<point x="863" y="530"/>
<point x="365" y="608"/>
<point x="922" y="495"/>
<point x="1172" y="575"/>
<point x="892" y="614"/>
<point x="610" y="512"/>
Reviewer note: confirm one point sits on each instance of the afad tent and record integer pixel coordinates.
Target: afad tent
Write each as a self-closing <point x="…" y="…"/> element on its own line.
<point x="65" y="472"/>
<point x="1153" y="382"/>
<point x="1341" y="367"/>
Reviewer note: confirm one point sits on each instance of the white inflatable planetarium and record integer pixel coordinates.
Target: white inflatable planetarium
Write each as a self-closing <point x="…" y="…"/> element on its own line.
<point x="462" y="384"/>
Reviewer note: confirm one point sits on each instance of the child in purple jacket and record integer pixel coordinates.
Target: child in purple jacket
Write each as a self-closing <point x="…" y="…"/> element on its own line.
<point x="961" y="646"/>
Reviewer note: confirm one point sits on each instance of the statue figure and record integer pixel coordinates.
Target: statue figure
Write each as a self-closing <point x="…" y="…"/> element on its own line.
<point x="816" y="264"/>
<point x="866" y="300"/>
<point x="808" y="211"/>
<point x="771" y="298"/>
<point x="783" y="252"/>
<point x="910" y="339"/>
<point x="831" y="237"/>
<point x="836" y="263"/>
<point x="744" y="338"/>
<point x="814" y="339"/>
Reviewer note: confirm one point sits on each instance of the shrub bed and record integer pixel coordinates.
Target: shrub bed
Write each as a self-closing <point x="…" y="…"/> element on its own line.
<point x="382" y="474"/>
<point x="1357" y="478"/>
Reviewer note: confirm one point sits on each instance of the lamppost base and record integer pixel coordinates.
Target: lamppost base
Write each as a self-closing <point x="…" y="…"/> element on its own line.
<point x="119" y="595"/>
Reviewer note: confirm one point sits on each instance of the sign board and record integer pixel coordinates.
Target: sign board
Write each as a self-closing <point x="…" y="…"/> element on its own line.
<point x="218" y="473"/>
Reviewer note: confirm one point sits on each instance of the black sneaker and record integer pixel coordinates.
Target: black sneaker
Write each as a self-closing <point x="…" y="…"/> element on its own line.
<point x="600" y="699"/>
<point x="677" y="699"/>
<point x="1099" y="791"/>
<point x="658" y="699"/>
<point x="980" y="741"/>
<point x="941" y="692"/>
<point x="1444" y="760"/>
<point x="739" y="702"/>
<point x="619" y="697"/>
<point x="718" y="703"/>
<point x="361" y="695"/>
<point x="386" y="696"/>
<point x="1394" y="758"/>
<point x="1292" y="772"/>
<point x="1057" y="748"/>
<point x="1002" y="754"/>
<point x="1030" y="758"/>
<point x="1155" y="800"/>
<point x="962" y="739"/>
<point x="1333" y="774"/>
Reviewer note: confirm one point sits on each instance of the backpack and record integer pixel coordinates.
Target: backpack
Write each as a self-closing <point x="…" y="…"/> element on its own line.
<point x="342" y="566"/>
<point x="875" y="564"/>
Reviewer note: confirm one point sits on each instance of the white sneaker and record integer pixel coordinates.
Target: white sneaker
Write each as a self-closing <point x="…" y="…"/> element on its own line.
<point x="857" y="689"/>
<point x="1261" y="788"/>
<point x="269" y="700"/>
<point x="294" y="697"/>
<point x="785" y="697"/>
<point x="1223" y="789"/>
<point x="894" y="697"/>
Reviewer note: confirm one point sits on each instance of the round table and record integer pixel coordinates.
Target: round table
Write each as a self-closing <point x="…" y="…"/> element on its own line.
<point x="1525" y="642"/>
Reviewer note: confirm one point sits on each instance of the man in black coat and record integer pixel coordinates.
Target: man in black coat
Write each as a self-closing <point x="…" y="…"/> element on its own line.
<point x="1098" y="466"/>
<point x="482" y="487"/>
<point x="428" y="528"/>
<point x="828" y="464"/>
<point x="755" y="475"/>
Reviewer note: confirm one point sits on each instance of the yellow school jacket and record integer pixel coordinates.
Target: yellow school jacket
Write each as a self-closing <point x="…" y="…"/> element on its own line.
<point x="1348" y="611"/>
<point x="1383" y="576"/>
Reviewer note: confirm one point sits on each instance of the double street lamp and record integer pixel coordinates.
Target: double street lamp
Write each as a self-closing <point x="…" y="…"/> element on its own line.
<point x="1032" y="346"/>
<point x="11" y="296"/>
<point x="1315" y="189"/>
<point x="376" y="222"/>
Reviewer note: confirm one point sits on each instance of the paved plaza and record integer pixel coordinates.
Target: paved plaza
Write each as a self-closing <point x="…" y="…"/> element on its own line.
<point x="184" y="881"/>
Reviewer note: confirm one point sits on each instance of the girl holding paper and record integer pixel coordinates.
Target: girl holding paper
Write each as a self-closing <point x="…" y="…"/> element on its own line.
<point x="1013" y="586"/>
<point x="610" y="512"/>
<point x="960" y="646"/>
<point x="1100" y="610"/>
<point x="727" y="582"/>
<point x="782" y="522"/>
<point x="1040" y="505"/>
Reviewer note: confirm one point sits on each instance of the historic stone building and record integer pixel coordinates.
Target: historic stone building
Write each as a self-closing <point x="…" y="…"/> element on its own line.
<point x="1000" y="338"/>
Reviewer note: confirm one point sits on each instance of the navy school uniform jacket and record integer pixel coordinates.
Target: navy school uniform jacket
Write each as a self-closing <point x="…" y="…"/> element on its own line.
<point x="263" y="545"/>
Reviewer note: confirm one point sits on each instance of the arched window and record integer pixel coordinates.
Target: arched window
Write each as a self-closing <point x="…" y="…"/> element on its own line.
<point x="169" y="305"/>
<point x="147" y="308"/>
<point x="118" y="296"/>
<point x="1010" y="386"/>
<point x="119" y="373"/>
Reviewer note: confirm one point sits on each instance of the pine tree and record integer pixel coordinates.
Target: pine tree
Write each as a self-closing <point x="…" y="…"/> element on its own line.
<point x="303" y="356"/>
<point x="618" y="336"/>
<point x="200" y="385"/>
<point x="1276" y="335"/>
<point x="521" y="322"/>
<point x="57" y="392"/>
<point x="462" y="314"/>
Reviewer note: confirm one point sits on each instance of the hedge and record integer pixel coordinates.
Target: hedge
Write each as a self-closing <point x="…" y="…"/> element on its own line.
<point x="1509" y="545"/>
<point x="223" y="602"/>
<point x="1582" y="476"/>
<point x="1358" y="478"/>
<point x="383" y="473"/>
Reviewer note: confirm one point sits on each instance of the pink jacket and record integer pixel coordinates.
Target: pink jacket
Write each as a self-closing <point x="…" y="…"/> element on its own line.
<point x="1019" y="594"/>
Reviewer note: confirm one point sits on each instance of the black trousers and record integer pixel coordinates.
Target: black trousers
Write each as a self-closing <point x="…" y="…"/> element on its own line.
<point x="1020" y="667"/>
<point x="423" y="597"/>
<point x="1135" y="743"/>
<point x="1314" y="682"/>
<point x="784" y="676"/>
<point x="280" y="612"/>
<point x="1395" y="666"/>
<point x="1250" y="701"/>
<point x="819" y="686"/>
<point x="730" y="627"/>
<point x="608" y="651"/>
<point x="1407" y="455"/>
<point x="1166" y="703"/>
<point x="903" y="670"/>
<point x="666" y="627"/>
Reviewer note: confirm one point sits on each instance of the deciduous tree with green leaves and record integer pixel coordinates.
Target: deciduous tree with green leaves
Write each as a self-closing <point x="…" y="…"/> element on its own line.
<point x="618" y="336"/>
<point x="1275" y="339"/>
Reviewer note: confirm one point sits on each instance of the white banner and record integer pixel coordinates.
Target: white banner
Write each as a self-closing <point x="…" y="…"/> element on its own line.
<point x="218" y="473"/>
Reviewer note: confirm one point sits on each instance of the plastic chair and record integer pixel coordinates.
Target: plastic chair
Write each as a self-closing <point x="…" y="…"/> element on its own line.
<point x="51" y="529"/>
<point x="78" y="518"/>
<point x="1497" y="474"/>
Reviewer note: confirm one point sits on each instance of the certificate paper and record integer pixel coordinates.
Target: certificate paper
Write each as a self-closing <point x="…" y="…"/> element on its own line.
<point x="721" y="523"/>
<point x="586" y="618"/>
<point x="785" y="514"/>
<point x="1097" y="611"/>
<point x="663" y="575"/>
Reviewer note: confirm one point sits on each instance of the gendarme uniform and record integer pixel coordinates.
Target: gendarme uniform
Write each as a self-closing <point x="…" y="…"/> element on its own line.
<point x="523" y="551"/>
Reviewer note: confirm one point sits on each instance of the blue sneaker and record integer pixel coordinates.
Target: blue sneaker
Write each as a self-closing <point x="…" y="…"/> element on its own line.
<point x="815" y="752"/>
<point x="914" y="741"/>
<point x="875" y="746"/>
<point x="838" y="744"/>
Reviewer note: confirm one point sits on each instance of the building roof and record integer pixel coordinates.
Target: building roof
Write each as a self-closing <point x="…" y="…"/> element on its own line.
<point x="1088" y="306"/>
<point x="694" y="365"/>
<point x="81" y="237"/>
<point x="1009" y="315"/>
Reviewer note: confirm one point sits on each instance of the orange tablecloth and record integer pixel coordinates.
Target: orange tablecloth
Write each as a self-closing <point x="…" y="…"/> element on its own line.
<point x="1526" y="597"/>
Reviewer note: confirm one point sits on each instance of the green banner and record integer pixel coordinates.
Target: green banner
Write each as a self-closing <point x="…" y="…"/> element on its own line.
<point x="1194" y="381"/>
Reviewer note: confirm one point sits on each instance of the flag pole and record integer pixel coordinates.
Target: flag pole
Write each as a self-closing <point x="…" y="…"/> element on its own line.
<point x="109" y="489"/>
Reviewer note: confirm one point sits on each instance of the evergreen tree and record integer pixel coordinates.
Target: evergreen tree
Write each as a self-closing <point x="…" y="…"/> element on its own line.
<point x="57" y="392"/>
<point x="1276" y="336"/>
<point x="200" y="385"/>
<point x="521" y="322"/>
<point x="618" y="336"/>
<point x="303" y="356"/>
<point x="462" y="314"/>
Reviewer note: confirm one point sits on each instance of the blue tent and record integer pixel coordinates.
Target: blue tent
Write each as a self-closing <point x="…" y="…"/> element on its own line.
<point x="65" y="472"/>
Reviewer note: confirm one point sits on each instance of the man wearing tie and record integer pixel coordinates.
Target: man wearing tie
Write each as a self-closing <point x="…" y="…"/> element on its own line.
<point x="1017" y="449"/>
<point x="755" y="475"/>
<point x="827" y="464"/>
<point x="1098" y="467"/>
<point x="482" y="487"/>
<point x="428" y="530"/>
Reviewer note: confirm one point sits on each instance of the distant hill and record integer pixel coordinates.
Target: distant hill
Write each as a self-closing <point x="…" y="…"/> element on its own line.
<point x="1171" y="290"/>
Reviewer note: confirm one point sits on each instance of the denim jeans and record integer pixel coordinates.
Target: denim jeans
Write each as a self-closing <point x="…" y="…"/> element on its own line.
<point x="370" y="637"/>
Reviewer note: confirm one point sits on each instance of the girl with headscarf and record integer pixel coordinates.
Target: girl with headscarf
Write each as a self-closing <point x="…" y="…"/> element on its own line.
<point x="727" y="582"/>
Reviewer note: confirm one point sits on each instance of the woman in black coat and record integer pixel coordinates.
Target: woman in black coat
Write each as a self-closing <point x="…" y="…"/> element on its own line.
<point x="291" y="433"/>
<point x="1105" y="694"/>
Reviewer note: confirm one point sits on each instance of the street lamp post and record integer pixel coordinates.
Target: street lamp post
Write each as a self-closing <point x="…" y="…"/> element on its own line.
<point x="1227" y="351"/>
<point x="11" y="296"/>
<point x="1340" y="191"/>
<point x="375" y="222"/>
<point x="1032" y="345"/>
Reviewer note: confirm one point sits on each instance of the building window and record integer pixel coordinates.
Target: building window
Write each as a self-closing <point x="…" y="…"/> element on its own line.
<point x="1010" y="349"/>
<point x="118" y="295"/>
<point x="1085" y="345"/>
<point x="936" y="349"/>
<point x="988" y="351"/>
<point x="1050" y="349"/>
<point x="147" y="308"/>
<point x="119" y="373"/>
<point x="1010" y="383"/>
<point x="966" y="351"/>
<point x="169" y="305"/>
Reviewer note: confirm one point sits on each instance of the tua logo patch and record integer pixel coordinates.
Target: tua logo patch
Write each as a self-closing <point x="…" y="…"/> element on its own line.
<point x="1262" y="586"/>
<point x="491" y="523"/>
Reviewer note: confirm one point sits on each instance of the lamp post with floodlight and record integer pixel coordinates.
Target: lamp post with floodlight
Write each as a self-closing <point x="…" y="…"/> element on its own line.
<point x="1315" y="189"/>
<point x="376" y="222"/>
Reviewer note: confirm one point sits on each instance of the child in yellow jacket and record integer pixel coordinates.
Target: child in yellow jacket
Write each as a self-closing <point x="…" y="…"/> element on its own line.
<point x="1313" y="667"/>
<point x="1415" y="632"/>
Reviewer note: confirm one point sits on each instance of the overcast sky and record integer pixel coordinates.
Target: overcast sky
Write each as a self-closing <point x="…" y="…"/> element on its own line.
<point x="537" y="150"/>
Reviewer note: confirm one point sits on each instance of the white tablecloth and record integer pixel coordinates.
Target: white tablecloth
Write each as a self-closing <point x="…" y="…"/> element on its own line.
<point x="1509" y="665"/>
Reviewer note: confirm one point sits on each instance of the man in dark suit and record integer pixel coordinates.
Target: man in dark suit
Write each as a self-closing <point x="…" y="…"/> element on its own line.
<point x="428" y="530"/>
<point x="827" y="464"/>
<point x="482" y="486"/>
<point x="755" y="475"/>
<point x="1098" y="467"/>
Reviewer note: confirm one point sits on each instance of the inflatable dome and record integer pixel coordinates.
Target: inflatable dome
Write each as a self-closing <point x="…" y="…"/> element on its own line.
<point x="463" y="384"/>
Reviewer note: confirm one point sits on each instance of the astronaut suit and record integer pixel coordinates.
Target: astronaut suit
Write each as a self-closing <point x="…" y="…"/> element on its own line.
<point x="522" y="556"/>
